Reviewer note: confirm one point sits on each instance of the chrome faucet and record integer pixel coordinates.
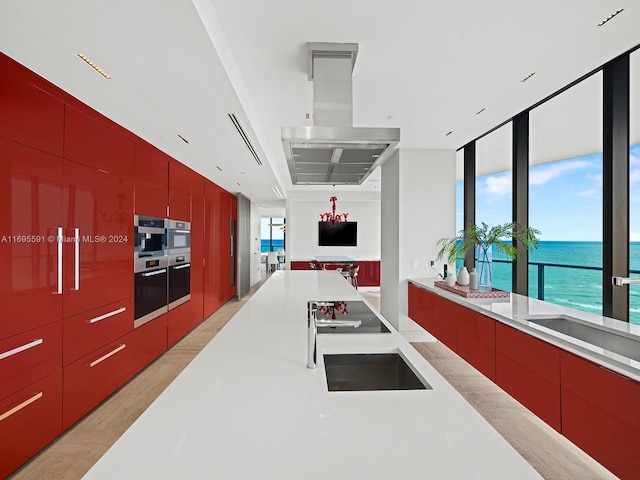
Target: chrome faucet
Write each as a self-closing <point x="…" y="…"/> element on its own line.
<point x="312" y="328"/>
<point x="620" y="281"/>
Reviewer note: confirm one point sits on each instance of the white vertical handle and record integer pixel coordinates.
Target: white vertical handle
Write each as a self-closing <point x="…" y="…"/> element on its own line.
<point x="76" y="241"/>
<point x="59" y="240"/>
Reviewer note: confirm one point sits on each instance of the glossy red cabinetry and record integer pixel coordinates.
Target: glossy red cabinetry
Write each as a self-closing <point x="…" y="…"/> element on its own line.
<point x="600" y="414"/>
<point x="98" y="212"/>
<point x="29" y="420"/>
<point x="95" y="143"/>
<point x="29" y="356"/>
<point x="149" y="341"/>
<point x="90" y="330"/>
<point x="445" y="322"/>
<point x="178" y="323"/>
<point x="30" y="219"/>
<point x="94" y="377"/>
<point x="29" y="115"/>
<point x="476" y="341"/>
<point x="197" y="250"/>
<point x="152" y="183"/>
<point x="179" y="192"/>
<point x="529" y="370"/>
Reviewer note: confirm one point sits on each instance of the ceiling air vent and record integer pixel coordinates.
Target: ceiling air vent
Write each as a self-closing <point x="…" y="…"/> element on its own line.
<point x="244" y="137"/>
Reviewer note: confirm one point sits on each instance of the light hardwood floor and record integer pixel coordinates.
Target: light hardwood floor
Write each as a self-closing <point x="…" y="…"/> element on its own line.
<point x="73" y="454"/>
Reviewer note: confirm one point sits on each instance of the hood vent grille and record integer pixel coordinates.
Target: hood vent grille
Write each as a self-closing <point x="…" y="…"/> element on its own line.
<point x="245" y="138"/>
<point x="333" y="152"/>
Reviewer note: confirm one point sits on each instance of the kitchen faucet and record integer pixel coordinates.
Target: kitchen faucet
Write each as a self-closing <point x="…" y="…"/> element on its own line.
<point x="312" y="328"/>
<point x="620" y="281"/>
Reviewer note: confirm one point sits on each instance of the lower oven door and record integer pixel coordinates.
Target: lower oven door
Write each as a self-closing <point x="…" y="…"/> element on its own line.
<point x="150" y="297"/>
<point x="179" y="279"/>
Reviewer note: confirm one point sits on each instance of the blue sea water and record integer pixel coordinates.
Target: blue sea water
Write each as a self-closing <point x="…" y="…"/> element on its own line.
<point x="278" y="244"/>
<point x="571" y="287"/>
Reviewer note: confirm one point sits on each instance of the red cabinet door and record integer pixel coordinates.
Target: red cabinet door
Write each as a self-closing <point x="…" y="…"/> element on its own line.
<point x="228" y="245"/>
<point x="98" y="246"/>
<point x="425" y="309"/>
<point x="600" y="414"/>
<point x="529" y="370"/>
<point x="212" y="261"/>
<point x="29" y="356"/>
<point x="445" y="324"/>
<point x="152" y="183"/>
<point x="149" y="341"/>
<point x="412" y="294"/>
<point x="29" y="420"/>
<point x="30" y="115"/>
<point x="179" y="192"/>
<point x="30" y="216"/>
<point x="91" y="379"/>
<point x="178" y="323"/>
<point x="476" y="340"/>
<point x="369" y="273"/>
<point x="90" y="330"/>
<point x="96" y="143"/>
<point x="197" y="251"/>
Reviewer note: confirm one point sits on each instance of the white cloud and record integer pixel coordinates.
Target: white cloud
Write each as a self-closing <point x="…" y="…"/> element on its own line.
<point x="498" y="185"/>
<point x="545" y="173"/>
<point x="634" y="237"/>
<point x="588" y="193"/>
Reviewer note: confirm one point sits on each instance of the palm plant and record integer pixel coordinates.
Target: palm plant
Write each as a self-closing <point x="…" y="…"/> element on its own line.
<point x="504" y="237"/>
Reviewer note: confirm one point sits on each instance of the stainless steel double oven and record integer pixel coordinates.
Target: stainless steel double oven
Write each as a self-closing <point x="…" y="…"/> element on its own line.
<point x="162" y="273"/>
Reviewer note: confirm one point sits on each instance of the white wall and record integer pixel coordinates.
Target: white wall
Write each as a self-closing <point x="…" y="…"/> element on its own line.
<point x="255" y="244"/>
<point x="424" y="201"/>
<point x="303" y="213"/>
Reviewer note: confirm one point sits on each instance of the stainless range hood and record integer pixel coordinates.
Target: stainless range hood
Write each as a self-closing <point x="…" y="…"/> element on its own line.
<point x="333" y="152"/>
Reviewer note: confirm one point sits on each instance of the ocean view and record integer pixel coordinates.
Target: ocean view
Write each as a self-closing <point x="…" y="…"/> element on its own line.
<point x="571" y="287"/>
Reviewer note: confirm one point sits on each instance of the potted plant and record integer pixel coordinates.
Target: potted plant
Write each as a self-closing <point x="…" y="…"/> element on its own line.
<point x="483" y="238"/>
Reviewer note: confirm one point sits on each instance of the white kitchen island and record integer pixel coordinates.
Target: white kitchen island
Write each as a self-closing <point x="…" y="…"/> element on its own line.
<point x="247" y="407"/>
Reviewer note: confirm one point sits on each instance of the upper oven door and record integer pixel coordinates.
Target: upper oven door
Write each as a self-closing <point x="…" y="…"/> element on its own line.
<point x="179" y="237"/>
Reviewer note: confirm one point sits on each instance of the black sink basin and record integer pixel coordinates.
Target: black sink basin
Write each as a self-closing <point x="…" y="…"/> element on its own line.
<point x="370" y="371"/>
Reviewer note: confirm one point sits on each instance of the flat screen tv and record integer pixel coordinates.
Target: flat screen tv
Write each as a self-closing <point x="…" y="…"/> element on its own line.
<point x="338" y="235"/>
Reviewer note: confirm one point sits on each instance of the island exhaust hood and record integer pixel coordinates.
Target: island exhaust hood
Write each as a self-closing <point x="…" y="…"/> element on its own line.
<point x="333" y="151"/>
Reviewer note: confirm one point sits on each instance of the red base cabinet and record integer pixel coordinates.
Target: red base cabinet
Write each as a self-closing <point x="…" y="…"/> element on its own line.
<point x="179" y="323"/>
<point x="149" y="341"/>
<point x="90" y="380"/>
<point x="600" y="414"/>
<point x="29" y="420"/>
<point x="529" y="370"/>
<point x="476" y="341"/>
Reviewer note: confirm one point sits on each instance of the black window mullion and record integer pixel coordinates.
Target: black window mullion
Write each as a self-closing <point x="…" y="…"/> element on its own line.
<point x="520" y="198"/>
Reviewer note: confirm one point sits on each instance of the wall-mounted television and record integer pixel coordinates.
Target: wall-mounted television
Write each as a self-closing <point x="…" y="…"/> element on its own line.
<point x="338" y="234"/>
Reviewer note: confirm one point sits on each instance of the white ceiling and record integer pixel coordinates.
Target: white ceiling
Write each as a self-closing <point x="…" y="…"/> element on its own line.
<point x="180" y="67"/>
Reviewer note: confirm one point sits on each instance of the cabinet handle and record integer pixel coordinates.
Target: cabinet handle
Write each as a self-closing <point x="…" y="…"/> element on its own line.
<point x="157" y="272"/>
<point x="107" y="315"/>
<point x="77" y="259"/>
<point x="107" y="355"/>
<point x="22" y="348"/>
<point x="180" y="267"/>
<point x="17" y="408"/>
<point x="59" y="239"/>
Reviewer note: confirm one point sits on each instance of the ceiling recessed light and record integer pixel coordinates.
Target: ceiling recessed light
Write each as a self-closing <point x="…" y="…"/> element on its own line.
<point x="238" y="183"/>
<point x="94" y="66"/>
<point x="183" y="139"/>
<point x="448" y="133"/>
<point x="528" y="77"/>
<point x="480" y="111"/>
<point x="610" y="17"/>
<point x="219" y="168"/>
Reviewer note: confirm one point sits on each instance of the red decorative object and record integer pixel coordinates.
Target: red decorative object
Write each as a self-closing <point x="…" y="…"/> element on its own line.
<point x="331" y="217"/>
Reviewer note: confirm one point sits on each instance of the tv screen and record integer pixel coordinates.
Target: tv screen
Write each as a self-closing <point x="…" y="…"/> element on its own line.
<point x="338" y="235"/>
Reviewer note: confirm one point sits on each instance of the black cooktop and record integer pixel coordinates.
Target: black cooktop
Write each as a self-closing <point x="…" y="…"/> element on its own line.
<point x="352" y="310"/>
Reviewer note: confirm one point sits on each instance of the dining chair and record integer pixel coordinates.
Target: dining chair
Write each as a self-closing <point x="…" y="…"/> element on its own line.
<point x="272" y="261"/>
<point x="354" y="275"/>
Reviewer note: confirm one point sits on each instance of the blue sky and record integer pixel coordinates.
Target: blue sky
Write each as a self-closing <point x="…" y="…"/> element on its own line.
<point x="565" y="198"/>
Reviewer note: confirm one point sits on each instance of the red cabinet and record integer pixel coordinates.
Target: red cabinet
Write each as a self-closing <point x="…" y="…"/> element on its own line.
<point x="529" y="370"/>
<point x="149" y="341"/>
<point x="30" y="216"/>
<point x="29" y="356"/>
<point x="197" y="250"/>
<point x="98" y="246"/>
<point x="91" y="330"/>
<point x="476" y="340"/>
<point x="30" y="115"/>
<point x="179" y="192"/>
<point x="600" y="414"/>
<point x="29" y="420"/>
<point x="212" y="260"/>
<point x="96" y="143"/>
<point x="152" y="183"/>
<point x="178" y="323"/>
<point x="445" y="323"/>
<point x="369" y="273"/>
<point x="94" y="377"/>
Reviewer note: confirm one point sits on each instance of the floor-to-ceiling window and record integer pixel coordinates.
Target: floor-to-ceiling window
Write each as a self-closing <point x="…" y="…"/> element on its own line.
<point x="634" y="185"/>
<point x="565" y="197"/>
<point x="272" y="234"/>
<point x="494" y="192"/>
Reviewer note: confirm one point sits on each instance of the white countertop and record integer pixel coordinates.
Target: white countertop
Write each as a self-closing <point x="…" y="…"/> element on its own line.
<point x="247" y="407"/>
<point x="516" y="309"/>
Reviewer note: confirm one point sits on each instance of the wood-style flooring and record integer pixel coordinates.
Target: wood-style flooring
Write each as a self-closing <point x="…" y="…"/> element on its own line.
<point x="72" y="454"/>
